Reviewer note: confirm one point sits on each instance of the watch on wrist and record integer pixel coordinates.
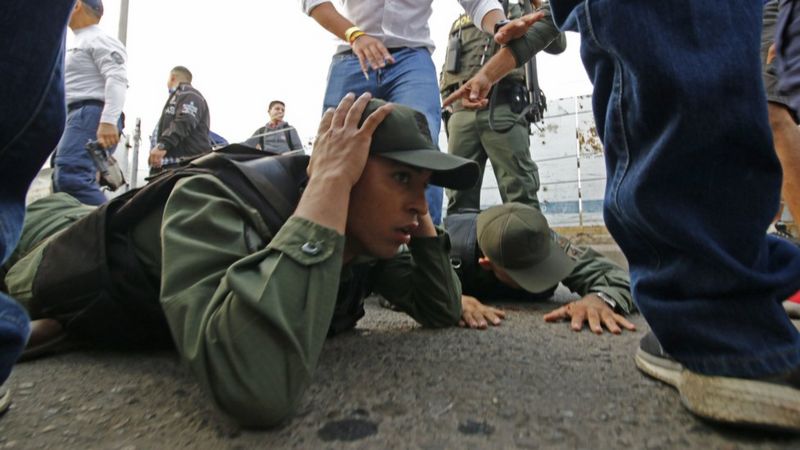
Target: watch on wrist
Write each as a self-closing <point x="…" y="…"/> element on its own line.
<point x="608" y="300"/>
<point x="500" y="24"/>
<point x="160" y="146"/>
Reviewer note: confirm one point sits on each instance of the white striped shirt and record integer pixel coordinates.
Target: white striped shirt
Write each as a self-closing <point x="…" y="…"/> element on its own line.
<point x="399" y="23"/>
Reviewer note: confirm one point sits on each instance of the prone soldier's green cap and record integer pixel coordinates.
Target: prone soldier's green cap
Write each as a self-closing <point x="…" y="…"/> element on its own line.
<point x="517" y="238"/>
<point x="403" y="136"/>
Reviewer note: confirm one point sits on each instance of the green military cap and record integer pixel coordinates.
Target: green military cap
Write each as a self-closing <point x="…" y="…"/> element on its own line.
<point x="516" y="237"/>
<point x="403" y="136"/>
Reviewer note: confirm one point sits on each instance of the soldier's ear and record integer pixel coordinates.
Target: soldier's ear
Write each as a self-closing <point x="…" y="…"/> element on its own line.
<point x="485" y="263"/>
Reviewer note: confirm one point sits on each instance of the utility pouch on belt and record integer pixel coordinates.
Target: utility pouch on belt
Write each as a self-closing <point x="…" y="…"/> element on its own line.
<point x="517" y="96"/>
<point x="453" y="59"/>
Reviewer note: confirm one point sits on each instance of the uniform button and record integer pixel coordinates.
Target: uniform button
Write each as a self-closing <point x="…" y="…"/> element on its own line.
<point x="310" y="248"/>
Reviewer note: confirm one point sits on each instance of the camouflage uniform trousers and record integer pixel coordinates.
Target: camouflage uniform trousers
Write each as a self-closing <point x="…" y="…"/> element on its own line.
<point x="471" y="137"/>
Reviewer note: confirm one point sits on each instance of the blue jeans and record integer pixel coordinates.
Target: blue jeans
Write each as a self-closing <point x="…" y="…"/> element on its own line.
<point x="32" y="110"/>
<point x="693" y="180"/>
<point x="75" y="172"/>
<point x="410" y="81"/>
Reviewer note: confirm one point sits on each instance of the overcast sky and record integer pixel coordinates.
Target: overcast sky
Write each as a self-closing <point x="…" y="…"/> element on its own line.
<point x="244" y="53"/>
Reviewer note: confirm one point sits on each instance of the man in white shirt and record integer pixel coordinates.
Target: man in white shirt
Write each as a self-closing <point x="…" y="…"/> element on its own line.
<point x="386" y="50"/>
<point x="96" y="82"/>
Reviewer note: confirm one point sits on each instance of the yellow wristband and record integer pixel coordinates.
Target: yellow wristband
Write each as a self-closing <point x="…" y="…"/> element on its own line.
<point x="348" y="34"/>
<point x="355" y="36"/>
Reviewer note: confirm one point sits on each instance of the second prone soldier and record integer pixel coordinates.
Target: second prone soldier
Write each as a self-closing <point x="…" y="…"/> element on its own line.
<point x="509" y="252"/>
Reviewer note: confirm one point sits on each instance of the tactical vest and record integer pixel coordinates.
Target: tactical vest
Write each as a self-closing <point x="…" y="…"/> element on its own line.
<point x="473" y="43"/>
<point x="90" y="279"/>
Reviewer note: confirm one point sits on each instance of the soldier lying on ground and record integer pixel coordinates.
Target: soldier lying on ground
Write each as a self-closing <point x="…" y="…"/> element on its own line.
<point x="523" y="259"/>
<point x="238" y="271"/>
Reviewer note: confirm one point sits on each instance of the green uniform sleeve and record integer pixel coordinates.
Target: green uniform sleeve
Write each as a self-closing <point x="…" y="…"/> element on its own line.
<point x="421" y="282"/>
<point x="595" y="273"/>
<point x="249" y="315"/>
<point x="539" y="36"/>
<point x="44" y="219"/>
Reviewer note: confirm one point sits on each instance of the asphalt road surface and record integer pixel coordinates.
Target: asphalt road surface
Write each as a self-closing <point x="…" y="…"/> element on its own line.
<point x="389" y="384"/>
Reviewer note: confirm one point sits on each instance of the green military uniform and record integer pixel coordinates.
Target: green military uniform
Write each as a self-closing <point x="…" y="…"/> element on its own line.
<point x="469" y="132"/>
<point x="249" y="311"/>
<point x="592" y="272"/>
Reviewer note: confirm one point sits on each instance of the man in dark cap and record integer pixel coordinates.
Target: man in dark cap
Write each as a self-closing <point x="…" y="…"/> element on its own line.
<point x="96" y="83"/>
<point x="246" y="277"/>
<point x="523" y="259"/>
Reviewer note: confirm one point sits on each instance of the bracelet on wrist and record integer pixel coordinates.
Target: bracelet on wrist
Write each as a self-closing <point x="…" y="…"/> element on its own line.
<point x="355" y="36"/>
<point x="605" y="298"/>
<point x="352" y="33"/>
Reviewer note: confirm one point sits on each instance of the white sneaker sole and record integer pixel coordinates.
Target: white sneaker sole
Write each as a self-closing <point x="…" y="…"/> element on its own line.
<point x="792" y="309"/>
<point x="724" y="399"/>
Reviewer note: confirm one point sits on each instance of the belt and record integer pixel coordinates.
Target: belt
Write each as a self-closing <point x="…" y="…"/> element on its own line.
<point x="81" y="103"/>
<point x="391" y="50"/>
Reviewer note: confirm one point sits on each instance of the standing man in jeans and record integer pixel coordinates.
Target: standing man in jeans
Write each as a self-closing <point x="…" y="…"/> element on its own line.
<point x="96" y="84"/>
<point x="680" y="106"/>
<point x="386" y="51"/>
<point x="693" y="183"/>
<point x="33" y="111"/>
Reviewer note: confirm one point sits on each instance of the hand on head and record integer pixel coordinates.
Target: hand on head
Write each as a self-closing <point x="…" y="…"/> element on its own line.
<point x="341" y="148"/>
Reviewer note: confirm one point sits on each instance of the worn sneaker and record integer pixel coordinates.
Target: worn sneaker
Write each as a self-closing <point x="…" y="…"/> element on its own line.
<point x="792" y="309"/>
<point x="772" y="402"/>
